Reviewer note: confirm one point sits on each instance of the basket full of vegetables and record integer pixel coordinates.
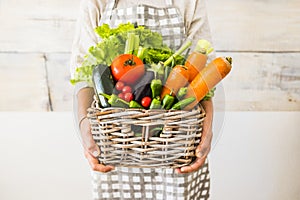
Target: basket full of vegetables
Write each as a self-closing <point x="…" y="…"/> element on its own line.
<point x="146" y="110"/>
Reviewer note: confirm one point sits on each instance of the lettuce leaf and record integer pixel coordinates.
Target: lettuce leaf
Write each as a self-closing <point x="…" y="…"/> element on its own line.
<point x="112" y="44"/>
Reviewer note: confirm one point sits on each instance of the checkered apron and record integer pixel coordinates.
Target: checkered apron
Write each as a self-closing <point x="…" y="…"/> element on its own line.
<point x="150" y="183"/>
<point x="167" y="21"/>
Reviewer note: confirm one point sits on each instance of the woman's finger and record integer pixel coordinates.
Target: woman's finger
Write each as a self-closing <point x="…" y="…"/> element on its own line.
<point x="95" y="165"/>
<point x="193" y="167"/>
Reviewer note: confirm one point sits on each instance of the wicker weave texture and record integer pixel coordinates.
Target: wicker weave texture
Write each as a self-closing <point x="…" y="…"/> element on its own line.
<point x="146" y="138"/>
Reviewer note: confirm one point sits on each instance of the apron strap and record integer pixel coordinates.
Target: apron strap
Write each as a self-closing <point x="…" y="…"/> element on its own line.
<point x="111" y="5"/>
<point x="169" y="2"/>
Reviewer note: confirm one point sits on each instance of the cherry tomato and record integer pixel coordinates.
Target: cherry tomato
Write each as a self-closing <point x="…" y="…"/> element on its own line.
<point x="146" y="101"/>
<point x="127" y="68"/>
<point x="119" y="85"/>
<point x="121" y="95"/>
<point x="126" y="89"/>
<point x="128" y="96"/>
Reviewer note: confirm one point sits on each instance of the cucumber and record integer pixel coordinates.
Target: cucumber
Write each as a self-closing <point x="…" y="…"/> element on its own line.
<point x="103" y="83"/>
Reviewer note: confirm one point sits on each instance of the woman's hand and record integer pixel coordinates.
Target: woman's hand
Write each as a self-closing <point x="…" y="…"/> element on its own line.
<point x="91" y="149"/>
<point x="205" y="145"/>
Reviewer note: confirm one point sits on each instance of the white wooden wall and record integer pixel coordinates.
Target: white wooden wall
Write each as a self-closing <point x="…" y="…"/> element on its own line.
<point x="262" y="36"/>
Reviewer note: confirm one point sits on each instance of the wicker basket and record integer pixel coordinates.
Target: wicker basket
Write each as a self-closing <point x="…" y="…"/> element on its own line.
<point x="146" y="138"/>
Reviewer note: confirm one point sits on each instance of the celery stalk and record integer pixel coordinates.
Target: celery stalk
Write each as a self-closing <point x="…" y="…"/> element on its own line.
<point x="136" y="44"/>
<point x="129" y="46"/>
<point x="141" y="52"/>
<point x="132" y="44"/>
<point x="178" y="52"/>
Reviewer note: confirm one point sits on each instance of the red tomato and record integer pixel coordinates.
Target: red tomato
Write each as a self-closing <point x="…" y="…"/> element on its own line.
<point x="146" y="101"/>
<point x="126" y="89"/>
<point x="128" y="68"/>
<point x="128" y="96"/>
<point x="119" y="85"/>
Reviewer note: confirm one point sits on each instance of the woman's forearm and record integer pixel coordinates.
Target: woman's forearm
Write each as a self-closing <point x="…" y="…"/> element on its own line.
<point x="209" y="110"/>
<point x="84" y="101"/>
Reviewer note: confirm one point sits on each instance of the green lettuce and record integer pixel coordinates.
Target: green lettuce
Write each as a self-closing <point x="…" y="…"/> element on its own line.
<point x="112" y="44"/>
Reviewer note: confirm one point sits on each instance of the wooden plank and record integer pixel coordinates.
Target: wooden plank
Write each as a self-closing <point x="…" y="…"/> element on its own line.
<point x="37" y="26"/>
<point x="21" y="35"/>
<point x="236" y="26"/>
<point x="23" y="84"/>
<point x="261" y="81"/>
<point x="37" y="9"/>
<point x="61" y="91"/>
<point x="255" y="25"/>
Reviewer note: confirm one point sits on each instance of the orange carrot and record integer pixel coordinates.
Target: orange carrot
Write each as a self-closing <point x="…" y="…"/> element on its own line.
<point x="208" y="78"/>
<point x="196" y="61"/>
<point x="177" y="79"/>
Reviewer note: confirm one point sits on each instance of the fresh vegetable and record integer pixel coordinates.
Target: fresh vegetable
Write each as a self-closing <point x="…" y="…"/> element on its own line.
<point x="209" y="95"/>
<point x="196" y="61"/>
<point x="127" y="68"/>
<point x="128" y="96"/>
<point x="155" y="104"/>
<point x="112" y="44"/>
<point x="181" y="93"/>
<point x="178" y="52"/>
<point x="134" y="104"/>
<point x="121" y="95"/>
<point x="157" y="55"/>
<point x="180" y="105"/>
<point x="155" y="132"/>
<point x="156" y="87"/>
<point x="141" y="52"/>
<point x="167" y="71"/>
<point x="115" y="101"/>
<point x="168" y="101"/>
<point x="117" y="37"/>
<point x="160" y="68"/>
<point x="102" y="83"/>
<point x="208" y="78"/>
<point x="119" y="86"/>
<point x="146" y="101"/>
<point x="126" y="89"/>
<point x="177" y="79"/>
<point x="142" y="87"/>
<point x="132" y="44"/>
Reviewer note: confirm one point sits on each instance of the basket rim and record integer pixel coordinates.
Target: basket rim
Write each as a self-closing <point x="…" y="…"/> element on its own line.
<point x="109" y="110"/>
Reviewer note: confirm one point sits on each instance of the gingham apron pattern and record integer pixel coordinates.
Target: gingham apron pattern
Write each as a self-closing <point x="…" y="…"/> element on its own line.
<point x="150" y="183"/>
<point x="167" y="21"/>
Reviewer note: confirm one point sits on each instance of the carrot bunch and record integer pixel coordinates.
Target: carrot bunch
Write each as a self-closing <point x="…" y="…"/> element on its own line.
<point x="198" y="77"/>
